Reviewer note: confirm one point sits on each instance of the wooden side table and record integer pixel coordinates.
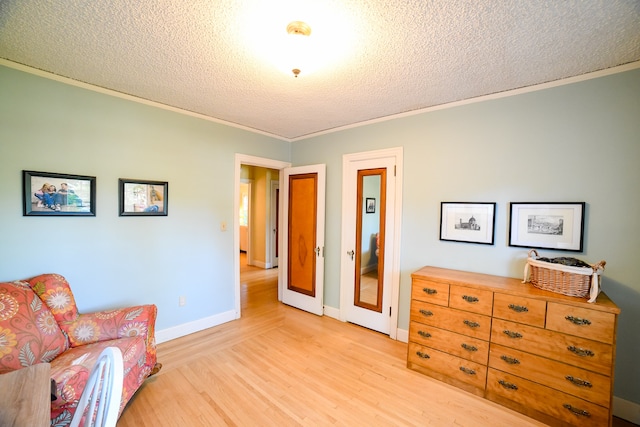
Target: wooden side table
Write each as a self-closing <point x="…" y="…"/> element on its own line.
<point x="25" y="397"/>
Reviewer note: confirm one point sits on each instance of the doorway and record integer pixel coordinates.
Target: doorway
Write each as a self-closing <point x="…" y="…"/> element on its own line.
<point x="262" y="260"/>
<point x="257" y="214"/>
<point x="370" y="255"/>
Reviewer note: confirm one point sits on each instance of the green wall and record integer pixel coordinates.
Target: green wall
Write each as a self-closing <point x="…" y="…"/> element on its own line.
<point x="109" y="260"/>
<point x="577" y="142"/>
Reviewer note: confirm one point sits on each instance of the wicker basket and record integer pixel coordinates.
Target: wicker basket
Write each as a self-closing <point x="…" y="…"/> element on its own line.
<point x="579" y="282"/>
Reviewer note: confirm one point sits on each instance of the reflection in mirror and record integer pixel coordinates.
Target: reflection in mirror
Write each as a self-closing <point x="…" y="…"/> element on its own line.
<point x="370" y="222"/>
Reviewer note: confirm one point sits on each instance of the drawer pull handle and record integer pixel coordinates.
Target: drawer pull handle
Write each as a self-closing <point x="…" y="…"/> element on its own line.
<point x="469" y="347"/>
<point x="582" y="352"/>
<point x="510" y="360"/>
<point x="470" y="299"/>
<point x="518" y="308"/>
<point x="471" y="324"/>
<point x="426" y="312"/>
<point x="577" y="411"/>
<point x="424" y="334"/>
<point x="512" y="334"/>
<point x="429" y="291"/>
<point x="467" y="371"/>
<point x="578" y="321"/>
<point x="422" y="355"/>
<point x="578" y="381"/>
<point x="508" y="385"/>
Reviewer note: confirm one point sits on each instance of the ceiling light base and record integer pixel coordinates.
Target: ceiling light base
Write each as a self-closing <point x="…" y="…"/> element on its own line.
<point x="299" y="27"/>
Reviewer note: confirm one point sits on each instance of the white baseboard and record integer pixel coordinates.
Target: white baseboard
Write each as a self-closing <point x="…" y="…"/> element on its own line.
<point x="174" y="332"/>
<point x="332" y="312"/>
<point x="402" y="335"/>
<point x="626" y="410"/>
<point x="261" y="264"/>
<point x="368" y="268"/>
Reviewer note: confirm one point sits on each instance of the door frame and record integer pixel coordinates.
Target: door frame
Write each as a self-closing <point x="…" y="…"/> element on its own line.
<point x="394" y="262"/>
<point x="274" y="221"/>
<point x="249" y="182"/>
<point x="244" y="159"/>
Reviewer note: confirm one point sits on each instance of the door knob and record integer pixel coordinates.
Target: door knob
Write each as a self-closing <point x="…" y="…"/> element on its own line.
<point x="351" y="253"/>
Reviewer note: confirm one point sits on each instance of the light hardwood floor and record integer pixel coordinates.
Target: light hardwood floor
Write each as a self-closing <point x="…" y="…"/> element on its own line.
<point x="279" y="366"/>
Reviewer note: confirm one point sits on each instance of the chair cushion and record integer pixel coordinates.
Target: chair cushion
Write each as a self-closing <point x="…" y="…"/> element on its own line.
<point x="29" y="333"/>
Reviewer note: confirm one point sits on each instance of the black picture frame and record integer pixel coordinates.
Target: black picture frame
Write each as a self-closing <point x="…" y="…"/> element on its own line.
<point x="58" y="194"/>
<point x="370" y="206"/>
<point x="468" y="222"/>
<point x="547" y="225"/>
<point x="139" y="197"/>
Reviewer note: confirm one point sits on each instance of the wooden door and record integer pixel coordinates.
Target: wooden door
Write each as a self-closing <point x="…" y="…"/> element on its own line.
<point x="303" y="238"/>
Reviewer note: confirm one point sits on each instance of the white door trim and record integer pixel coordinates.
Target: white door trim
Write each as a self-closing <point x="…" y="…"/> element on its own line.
<point x="273" y="259"/>
<point x="244" y="159"/>
<point x="394" y="261"/>
<point x="249" y="182"/>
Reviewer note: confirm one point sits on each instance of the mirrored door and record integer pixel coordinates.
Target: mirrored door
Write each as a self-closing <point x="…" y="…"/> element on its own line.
<point x="370" y="259"/>
<point x="370" y="239"/>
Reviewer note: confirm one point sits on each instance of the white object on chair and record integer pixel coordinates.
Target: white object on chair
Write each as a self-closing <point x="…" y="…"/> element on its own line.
<point x="103" y="392"/>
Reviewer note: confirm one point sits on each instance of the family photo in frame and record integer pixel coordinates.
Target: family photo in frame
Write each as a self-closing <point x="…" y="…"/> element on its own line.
<point x="56" y="194"/>
<point x="143" y="198"/>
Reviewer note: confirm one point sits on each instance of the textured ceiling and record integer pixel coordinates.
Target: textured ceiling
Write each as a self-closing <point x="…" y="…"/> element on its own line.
<point x="376" y="58"/>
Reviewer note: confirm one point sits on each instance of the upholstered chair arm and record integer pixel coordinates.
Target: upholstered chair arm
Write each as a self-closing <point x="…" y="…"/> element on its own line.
<point x="113" y="324"/>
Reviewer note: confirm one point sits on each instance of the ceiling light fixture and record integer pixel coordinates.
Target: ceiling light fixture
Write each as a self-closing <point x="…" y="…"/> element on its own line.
<point x="299" y="30"/>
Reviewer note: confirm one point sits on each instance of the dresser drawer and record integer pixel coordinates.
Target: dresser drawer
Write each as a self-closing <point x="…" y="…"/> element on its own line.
<point x="519" y="309"/>
<point x="430" y="291"/>
<point x="567" y="408"/>
<point x="595" y="388"/>
<point x="462" y="322"/>
<point x="454" y="367"/>
<point x="470" y="299"/>
<point x="459" y="345"/>
<point x="582" y="322"/>
<point x="577" y="351"/>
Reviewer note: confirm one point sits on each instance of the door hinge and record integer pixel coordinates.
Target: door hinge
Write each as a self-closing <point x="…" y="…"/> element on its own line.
<point x="394" y="170"/>
<point x="389" y="311"/>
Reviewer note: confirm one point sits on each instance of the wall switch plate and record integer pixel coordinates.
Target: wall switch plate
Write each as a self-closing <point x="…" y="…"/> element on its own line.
<point x="182" y="301"/>
<point x="223" y="226"/>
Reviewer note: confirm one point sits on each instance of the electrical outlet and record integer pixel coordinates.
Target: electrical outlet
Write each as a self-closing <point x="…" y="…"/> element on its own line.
<point x="182" y="301"/>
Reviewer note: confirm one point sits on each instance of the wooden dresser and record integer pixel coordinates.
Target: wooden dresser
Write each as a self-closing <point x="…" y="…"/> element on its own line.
<point x="540" y="353"/>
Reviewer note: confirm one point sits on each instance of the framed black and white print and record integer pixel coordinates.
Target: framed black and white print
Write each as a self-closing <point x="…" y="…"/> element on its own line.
<point x="555" y="225"/>
<point x="143" y="198"/>
<point x="370" y="205"/>
<point x="467" y="222"/>
<point x="58" y="194"/>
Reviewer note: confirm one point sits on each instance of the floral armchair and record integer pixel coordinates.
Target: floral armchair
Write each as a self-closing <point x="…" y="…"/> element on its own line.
<point x="40" y="323"/>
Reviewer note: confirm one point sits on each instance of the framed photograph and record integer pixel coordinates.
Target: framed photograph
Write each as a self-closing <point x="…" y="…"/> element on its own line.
<point x="143" y="198"/>
<point x="57" y="194"/>
<point x="558" y="226"/>
<point x="467" y="222"/>
<point x="370" y="205"/>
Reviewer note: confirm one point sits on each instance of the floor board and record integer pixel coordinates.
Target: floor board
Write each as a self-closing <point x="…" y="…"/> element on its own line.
<point x="279" y="366"/>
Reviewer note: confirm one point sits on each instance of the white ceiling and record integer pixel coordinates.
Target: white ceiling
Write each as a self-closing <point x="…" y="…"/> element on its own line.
<point x="219" y="58"/>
